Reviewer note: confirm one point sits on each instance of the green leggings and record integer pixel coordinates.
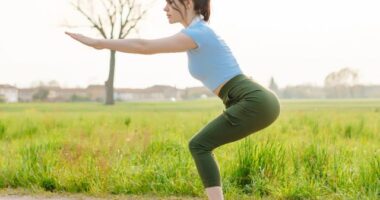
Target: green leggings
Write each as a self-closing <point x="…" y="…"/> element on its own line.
<point x="249" y="108"/>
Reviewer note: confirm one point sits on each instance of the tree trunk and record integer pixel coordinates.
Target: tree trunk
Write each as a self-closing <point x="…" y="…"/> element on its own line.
<point x="109" y="82"/>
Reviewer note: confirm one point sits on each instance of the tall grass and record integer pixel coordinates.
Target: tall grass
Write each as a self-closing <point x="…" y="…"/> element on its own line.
<point x="316" y="150"/>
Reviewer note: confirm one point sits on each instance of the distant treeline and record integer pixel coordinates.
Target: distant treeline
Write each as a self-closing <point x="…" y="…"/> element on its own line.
<point x="309" y="91"/>
<point x="340" y="84"/>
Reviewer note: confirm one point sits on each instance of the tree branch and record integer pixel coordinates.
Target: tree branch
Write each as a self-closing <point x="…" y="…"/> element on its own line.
<point x="92" y="21"/>
<point x="115" y="10"/>
<point x="136" y="20"/>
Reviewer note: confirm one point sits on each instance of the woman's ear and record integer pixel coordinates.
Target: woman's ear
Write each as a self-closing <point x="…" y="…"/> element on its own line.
<point x="189" y="4"/>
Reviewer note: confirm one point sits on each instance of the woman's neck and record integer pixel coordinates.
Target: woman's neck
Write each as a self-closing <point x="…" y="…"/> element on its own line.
<point x="193" y="20"/>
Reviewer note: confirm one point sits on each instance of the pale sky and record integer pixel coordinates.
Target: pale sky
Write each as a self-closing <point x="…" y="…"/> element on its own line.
<point x="296" y="41"/>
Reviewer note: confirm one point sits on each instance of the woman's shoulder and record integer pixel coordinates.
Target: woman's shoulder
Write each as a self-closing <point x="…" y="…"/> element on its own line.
<point x="201" y="33"/>
<point x="199" y="25"/>
<point x="201" y="28"/>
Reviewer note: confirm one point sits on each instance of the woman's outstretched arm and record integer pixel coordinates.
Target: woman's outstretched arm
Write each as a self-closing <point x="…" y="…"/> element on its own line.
<point x="176" y="43"/>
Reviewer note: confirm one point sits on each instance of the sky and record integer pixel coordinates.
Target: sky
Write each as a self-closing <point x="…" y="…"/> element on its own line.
<point x="295" y="41"/>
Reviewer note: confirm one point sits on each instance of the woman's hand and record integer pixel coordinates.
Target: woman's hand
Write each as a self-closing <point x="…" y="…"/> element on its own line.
<point x="86" y="40"/>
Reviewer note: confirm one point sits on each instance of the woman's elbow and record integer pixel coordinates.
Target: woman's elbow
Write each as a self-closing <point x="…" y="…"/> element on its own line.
<point x="144" y="48"/>
<point x="147" y="52"/>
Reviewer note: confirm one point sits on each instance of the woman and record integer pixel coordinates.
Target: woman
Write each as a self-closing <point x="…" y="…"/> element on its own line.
<point x="249" y="106"/>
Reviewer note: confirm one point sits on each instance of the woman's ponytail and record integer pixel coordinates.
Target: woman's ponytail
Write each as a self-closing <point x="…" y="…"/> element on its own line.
<point x="203" y="8"/>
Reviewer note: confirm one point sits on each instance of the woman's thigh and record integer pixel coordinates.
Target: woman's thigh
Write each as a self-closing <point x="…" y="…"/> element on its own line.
<point x="218" y="132"/>
<point x="249" y="108"/>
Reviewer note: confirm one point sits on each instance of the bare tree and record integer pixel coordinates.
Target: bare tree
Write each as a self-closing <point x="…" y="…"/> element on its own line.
<point x="345" y="76"/>
<point x="340" y="83"/>
<point x="112" y="19"/>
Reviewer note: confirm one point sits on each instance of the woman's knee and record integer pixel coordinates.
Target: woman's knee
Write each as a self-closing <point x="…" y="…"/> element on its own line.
<point x="197" y="146"/>
<point x="194" y="145"/>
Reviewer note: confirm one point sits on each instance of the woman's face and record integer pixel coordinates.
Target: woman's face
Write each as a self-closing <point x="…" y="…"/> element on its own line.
<point x="171" y="9"/>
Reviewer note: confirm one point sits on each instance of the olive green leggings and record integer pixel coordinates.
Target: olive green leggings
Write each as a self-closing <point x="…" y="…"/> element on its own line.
<point x="250" y="107"/>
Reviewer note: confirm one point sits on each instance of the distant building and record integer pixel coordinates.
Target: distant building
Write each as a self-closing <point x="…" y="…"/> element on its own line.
<point x="8" y="93"/>
<point x="26" y="94"/>
<point x="54" y="94"/>
<point x="155" y="93"/>
<point x="96" y="92"/>
<point x="69" y="94"/>
<point x="165" y="92"/>
<point x="197" y="92"/>
<point x="127" y="94"/>
<point x="372" y="91"/>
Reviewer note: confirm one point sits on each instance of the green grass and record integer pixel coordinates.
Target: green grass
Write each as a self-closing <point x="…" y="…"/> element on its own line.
<point x="316" y="150"/>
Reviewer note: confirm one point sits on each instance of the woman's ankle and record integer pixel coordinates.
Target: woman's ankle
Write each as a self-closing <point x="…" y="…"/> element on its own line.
<point x="215" y="193"/>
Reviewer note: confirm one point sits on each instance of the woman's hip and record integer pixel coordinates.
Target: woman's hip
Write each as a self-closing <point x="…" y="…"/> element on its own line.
<point x="242" y="87"/>
<point x="245" y="99"/>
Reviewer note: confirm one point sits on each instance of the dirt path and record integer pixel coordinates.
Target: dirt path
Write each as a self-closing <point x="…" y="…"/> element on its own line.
<point x="58" y="197"/>
<point x="19" y="194"/>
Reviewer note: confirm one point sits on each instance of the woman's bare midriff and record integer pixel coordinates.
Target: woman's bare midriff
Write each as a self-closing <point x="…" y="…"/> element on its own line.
<point x="217" y="90"/>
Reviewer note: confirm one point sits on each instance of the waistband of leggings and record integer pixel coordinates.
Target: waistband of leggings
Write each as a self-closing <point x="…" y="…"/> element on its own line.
<point x="227" y="86"/>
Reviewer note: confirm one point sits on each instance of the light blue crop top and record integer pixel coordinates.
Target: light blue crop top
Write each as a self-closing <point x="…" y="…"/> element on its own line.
<point x="212" y="62"/>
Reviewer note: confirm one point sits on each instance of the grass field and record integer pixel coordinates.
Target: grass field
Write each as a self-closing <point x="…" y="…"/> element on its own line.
<point x="315" y="150"/>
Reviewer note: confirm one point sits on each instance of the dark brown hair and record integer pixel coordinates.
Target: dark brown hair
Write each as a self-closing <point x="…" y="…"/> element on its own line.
<point x="201" y="7"/>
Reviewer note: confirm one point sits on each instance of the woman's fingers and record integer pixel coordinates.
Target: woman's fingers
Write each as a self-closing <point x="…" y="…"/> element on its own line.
<point x="71" y="34"/>
<point x="76" y="36"/>
<point x="79" y="37"/>
<point x="84" y="40"/>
